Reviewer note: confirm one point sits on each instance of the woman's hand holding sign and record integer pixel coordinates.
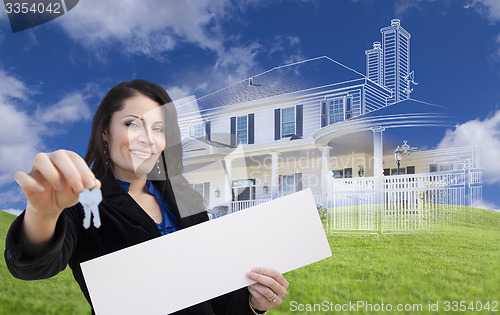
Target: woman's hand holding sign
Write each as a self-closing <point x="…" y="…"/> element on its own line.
<point x="270" y="289"/>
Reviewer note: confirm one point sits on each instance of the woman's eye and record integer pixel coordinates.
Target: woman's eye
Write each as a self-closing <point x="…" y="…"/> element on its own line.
<point x="158" y="129"/>
<point x="132" y="124"/>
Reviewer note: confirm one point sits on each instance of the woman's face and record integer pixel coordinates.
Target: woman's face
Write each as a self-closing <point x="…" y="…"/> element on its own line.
<point x="135" y="137"/>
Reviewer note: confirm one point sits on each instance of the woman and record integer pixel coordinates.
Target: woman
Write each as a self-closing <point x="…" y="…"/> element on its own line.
<point x="136" y="157"/>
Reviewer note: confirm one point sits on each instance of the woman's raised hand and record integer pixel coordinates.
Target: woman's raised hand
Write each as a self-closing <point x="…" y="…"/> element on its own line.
<point x="53" y="184"/>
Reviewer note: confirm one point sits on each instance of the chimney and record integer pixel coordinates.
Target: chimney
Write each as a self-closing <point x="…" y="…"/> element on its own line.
<point x="374" y="64"/>
<point x="395" y="22"/>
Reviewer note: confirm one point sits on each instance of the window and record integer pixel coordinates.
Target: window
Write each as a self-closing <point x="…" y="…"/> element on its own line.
<point x="433" y="168"/>
<point x="446" y="167"/>
<point x="288" y="184"/>
<point x="345" y="173"/>
<point x="394" y="171"/>
<point x="336" y="110"/>
<point x="198" y="188"/>
<point x="242" y="129"/>
<point x="244" y="189"/>
<point x="204" y="190"/>
<point x="338" y="173"/>
<point x="387" y="171"/>
<point x="348" y="172"/>
<point x="288" y="121"/>
<point x="198" y="130"/>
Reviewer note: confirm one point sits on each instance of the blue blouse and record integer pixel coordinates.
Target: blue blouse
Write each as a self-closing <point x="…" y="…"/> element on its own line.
<point x="169" y="221"/>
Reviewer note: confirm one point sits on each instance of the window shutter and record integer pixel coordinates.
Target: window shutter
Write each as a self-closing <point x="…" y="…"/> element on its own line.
<point x="251" y="128"/>
<point x="410" y="170"/>
<point x="348" y="108"/>
<point x="277" y="124"/>
<point x="324" y="114"/>
<point x="207" y="130"/>
<point x="206" y="193"/>
<point x="233" y="131"/>
<point x="299" y="120"/>
<point x="191" y="131"/>
<point x="298" y="181"/>
<point x="280" y="185"/>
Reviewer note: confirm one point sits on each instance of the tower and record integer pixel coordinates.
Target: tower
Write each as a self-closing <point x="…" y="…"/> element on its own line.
<point x="396" y="61"/>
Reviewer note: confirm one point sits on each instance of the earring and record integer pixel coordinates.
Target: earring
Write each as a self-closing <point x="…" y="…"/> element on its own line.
<point x="158" y="166"/>
<point x="106" y="157"/>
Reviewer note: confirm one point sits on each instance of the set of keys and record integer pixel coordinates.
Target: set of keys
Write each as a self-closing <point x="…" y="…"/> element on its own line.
<point x="90" y="200"/>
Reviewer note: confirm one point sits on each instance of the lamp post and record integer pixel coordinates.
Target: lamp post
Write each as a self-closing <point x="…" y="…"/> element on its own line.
<point x="397" y="157"/>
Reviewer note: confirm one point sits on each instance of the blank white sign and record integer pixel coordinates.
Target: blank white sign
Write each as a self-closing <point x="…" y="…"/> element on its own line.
<point x="184" y="268"/>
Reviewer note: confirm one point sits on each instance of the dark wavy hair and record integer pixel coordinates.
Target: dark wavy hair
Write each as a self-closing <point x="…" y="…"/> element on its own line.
<point x="175" y="188"/>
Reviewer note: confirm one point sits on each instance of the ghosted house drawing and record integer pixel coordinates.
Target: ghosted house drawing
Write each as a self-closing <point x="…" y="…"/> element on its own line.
<point x="319" y="124"/>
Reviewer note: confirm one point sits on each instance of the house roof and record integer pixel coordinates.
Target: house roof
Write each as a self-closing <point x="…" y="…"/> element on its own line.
<point x="281" y="80"/>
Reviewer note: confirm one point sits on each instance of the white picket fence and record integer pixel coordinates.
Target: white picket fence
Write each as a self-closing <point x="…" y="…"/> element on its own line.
<point x="403" y="202"/>
<point x="392" y="203"/>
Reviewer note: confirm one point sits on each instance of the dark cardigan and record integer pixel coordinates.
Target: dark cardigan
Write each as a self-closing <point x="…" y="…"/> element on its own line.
<point x="124" y="223"/>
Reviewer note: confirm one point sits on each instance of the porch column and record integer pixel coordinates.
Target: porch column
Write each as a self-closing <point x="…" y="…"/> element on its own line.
<point x="275" y="188"/>
<point x="228" y="187"/>
<point x="325" y="168"/>
<point x="378" y="155"/>
<point x="378" y="158"/>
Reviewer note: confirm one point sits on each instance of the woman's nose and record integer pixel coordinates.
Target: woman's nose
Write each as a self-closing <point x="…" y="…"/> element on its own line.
<point x="147" y="136"/>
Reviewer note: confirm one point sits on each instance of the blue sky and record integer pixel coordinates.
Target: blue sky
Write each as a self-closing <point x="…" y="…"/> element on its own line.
<point x="53" y="77"/>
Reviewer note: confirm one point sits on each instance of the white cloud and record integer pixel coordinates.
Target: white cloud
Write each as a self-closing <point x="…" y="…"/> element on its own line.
<point x="236" y="63"/>
<point x="179" y="92"/>
<point x="402" y="6"/>
<point x="71" y="108"/>
<point x="19" y="136"/>
<point x="22" y="129"/>
<point x="482" y="133"/>
<point x="19" y="141"/>
<point x="489" y="8"/>
<point x="12" y="88"/>
<point x="154" y="28"/>
<point x="487" y="205"/>
<point x="149" y="27"/>
<point x="289" y="47"/>
<point x="14" y="195"/>
<point x="233" y="65"/>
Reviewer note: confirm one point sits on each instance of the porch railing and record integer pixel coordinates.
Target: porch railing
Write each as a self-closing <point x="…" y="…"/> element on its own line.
<point x="403" y="202"/>
<point x="393" y="203"/>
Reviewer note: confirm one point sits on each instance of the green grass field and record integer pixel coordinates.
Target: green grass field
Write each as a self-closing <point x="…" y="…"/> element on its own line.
<point x="459" y="264"/>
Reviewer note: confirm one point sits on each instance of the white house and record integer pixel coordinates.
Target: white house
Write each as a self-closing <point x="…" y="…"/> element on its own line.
<point x="307" y="125"/>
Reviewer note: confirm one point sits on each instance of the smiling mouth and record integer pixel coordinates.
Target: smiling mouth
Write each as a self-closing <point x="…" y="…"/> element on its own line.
<point x="140" y="154"/>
